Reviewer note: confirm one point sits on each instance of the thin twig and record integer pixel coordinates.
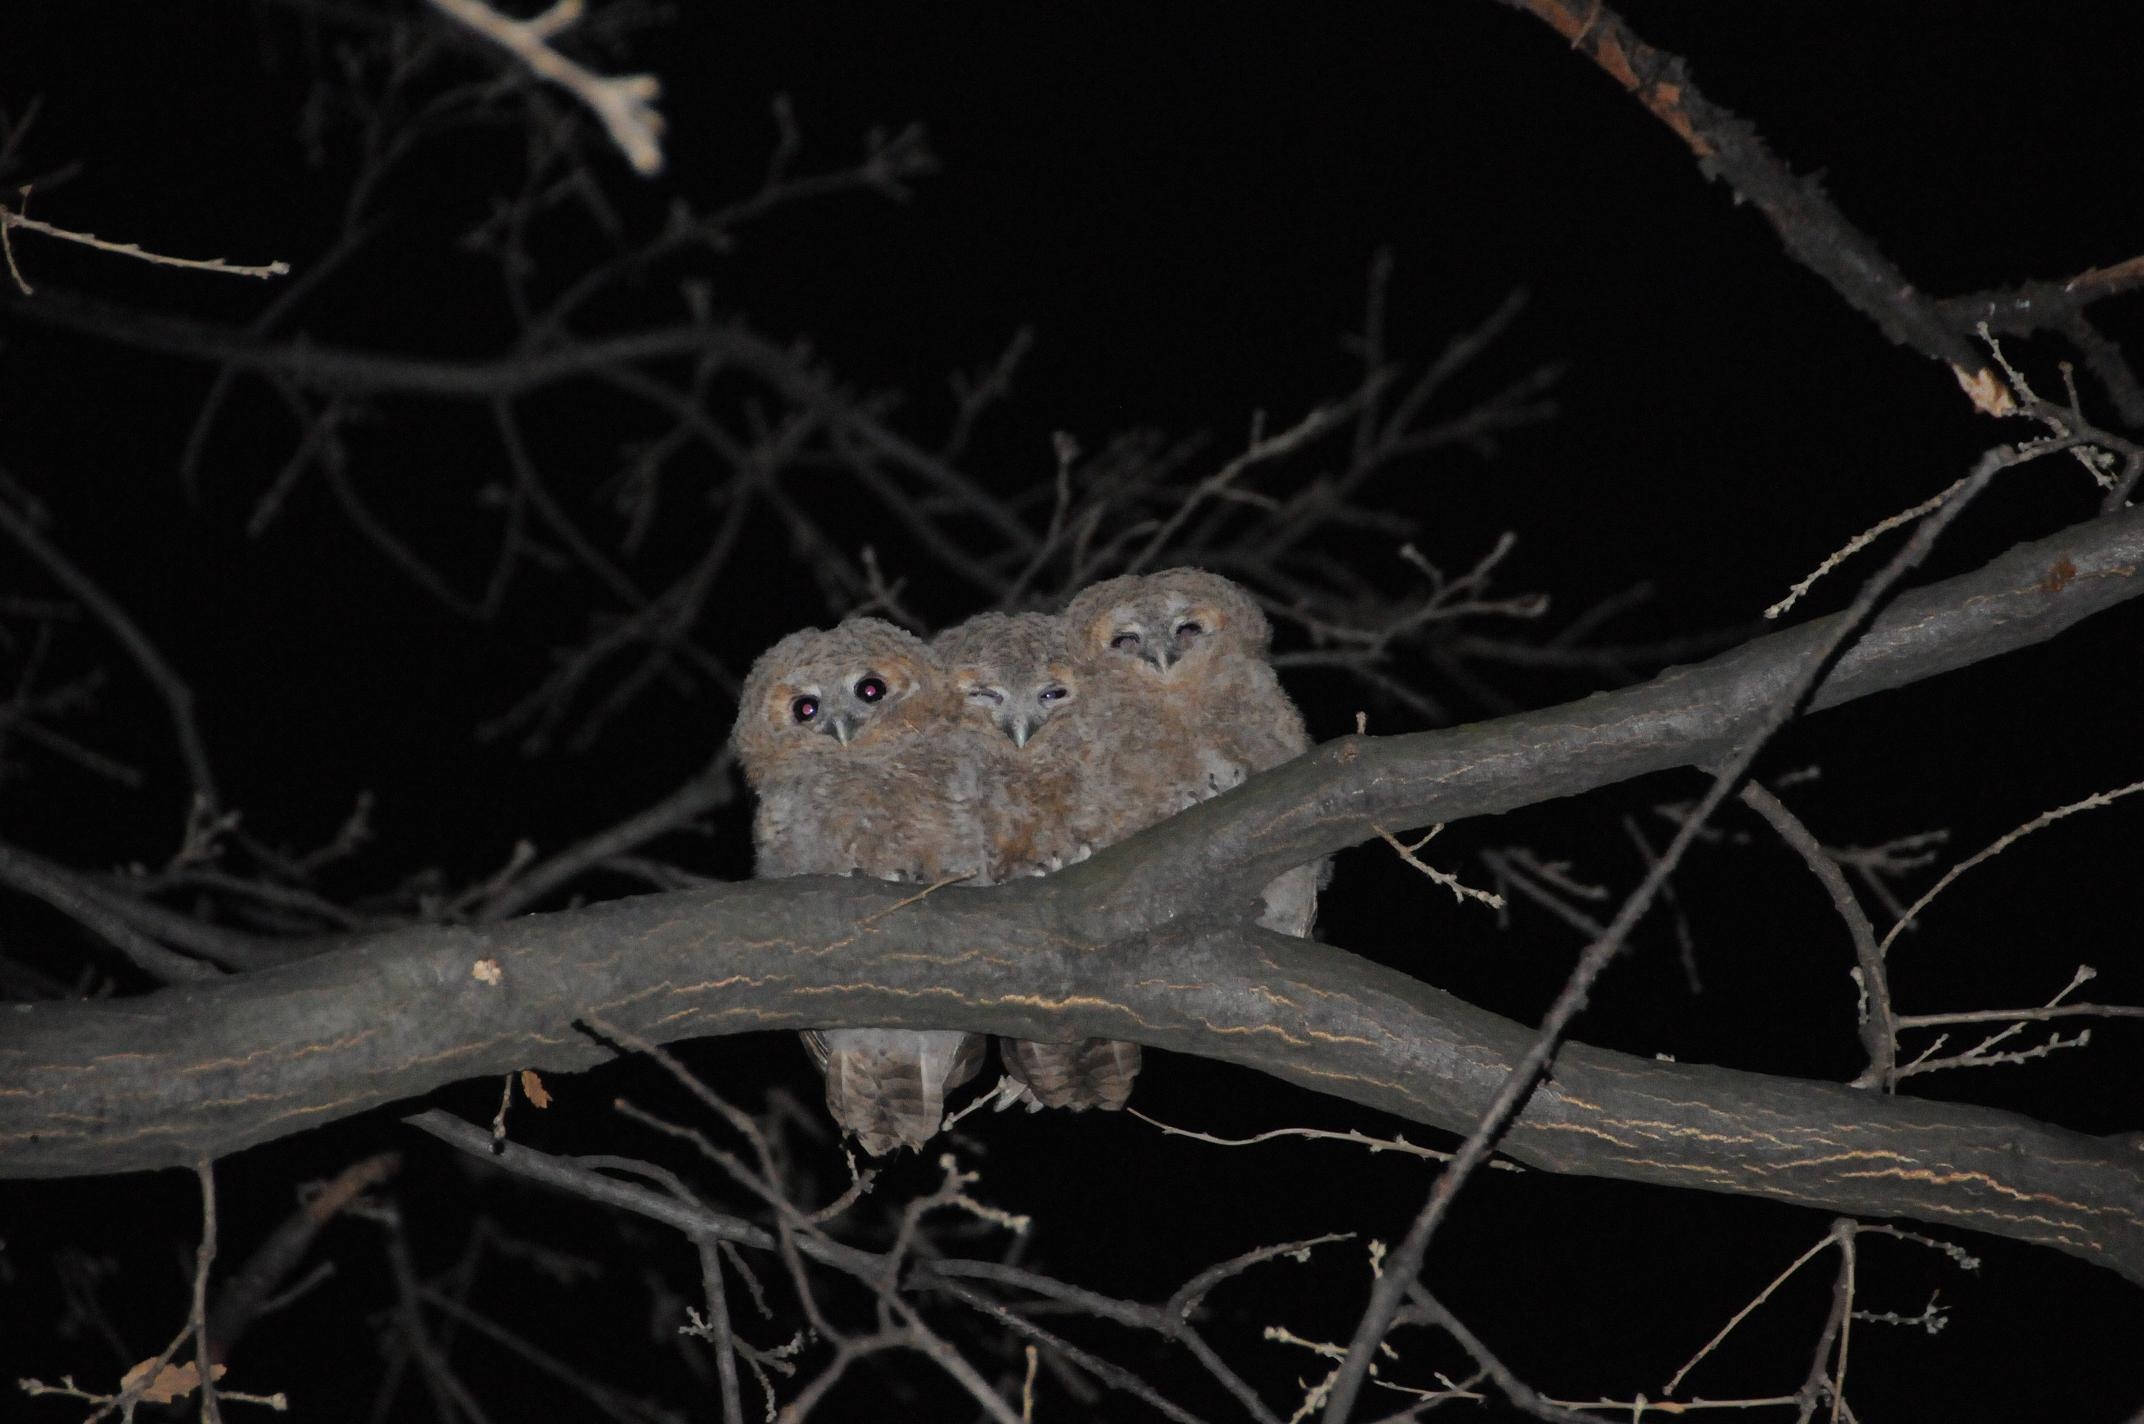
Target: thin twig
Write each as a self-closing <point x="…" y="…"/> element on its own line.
<point x="1998" y="846"/>
<point x="1675" y="1380"/>
<point x="1878" y="1025"/>
<point x="10" y="219"/>
<point x="166" y="966"/>
<point x="177" y="696"/>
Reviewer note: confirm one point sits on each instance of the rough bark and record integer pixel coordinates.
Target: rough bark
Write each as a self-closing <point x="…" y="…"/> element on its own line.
<point x="1149" y="941"/>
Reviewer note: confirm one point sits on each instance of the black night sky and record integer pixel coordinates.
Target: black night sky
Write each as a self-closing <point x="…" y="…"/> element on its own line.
<point x="1182" y="207"/>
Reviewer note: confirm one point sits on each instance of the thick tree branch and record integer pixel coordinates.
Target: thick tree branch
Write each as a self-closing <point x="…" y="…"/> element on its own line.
<point x="109" y="1086"/>
<point x="1340" y="793"/>
<point x="1123" y="947"/>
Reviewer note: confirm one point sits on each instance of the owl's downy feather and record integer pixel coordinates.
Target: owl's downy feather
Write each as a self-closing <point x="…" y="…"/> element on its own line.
<point x="845" y="734"/>
<point x="1012" y="676"/>
<point x="1177" y="661"/>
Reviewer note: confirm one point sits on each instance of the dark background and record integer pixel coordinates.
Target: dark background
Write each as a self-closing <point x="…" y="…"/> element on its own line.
<point x="1183" y="202"/>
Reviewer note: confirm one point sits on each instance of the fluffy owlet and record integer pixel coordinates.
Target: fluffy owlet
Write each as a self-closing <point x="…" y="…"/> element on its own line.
<point x="1014" y="675"/>
<point x="846" y="737"/>
<point x="1175" y="665"/>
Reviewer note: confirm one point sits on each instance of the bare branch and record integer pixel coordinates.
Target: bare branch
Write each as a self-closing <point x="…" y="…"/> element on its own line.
<point x="1815" y="232"/>
<point x="1879" y="1027"/>
<point x="11" y="219"/>
<point x="25" y="874"/>
<point x="625" y="105"/>
<point x="177" y="697"/>
<point x="2002" y="843"/>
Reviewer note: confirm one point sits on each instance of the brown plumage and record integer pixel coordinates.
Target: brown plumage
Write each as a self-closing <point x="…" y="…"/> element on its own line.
<point x="1013" y="690"/>
<point x="1176" y="661"/>
<point x="1091" y="1073"/>
<point x="1014" y="676"/>
<point x="849" y="737"/>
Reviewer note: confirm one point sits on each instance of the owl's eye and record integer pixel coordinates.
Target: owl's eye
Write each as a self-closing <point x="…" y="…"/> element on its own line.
<point x="870" y="689"/>
<point x="1125" y="641"/>
<point x="985" y="694"/>
<point x="1053" y="693"/>
<point x="804" y="708"/>
<point x="1190" y="628"/>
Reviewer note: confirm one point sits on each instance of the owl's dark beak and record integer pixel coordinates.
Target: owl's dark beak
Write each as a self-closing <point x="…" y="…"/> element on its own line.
<point x="840" y="726"/>
<point x="1160" y="654"/>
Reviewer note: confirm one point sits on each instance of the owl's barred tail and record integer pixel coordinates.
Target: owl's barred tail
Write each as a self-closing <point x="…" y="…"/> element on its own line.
<point x="1093" y="1073"/>
<point x="888" y="1086"/>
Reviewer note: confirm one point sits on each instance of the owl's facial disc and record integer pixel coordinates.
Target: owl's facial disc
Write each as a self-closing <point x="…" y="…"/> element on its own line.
<point x="808" y="708"/>
<point x="989" y="700"/>
<point x="850" y="707"/>
<point x="1132" y="638"/>
<point x="1010" y="715"/>
<point x="1191" y="626"/>
<point x="1042" y="703"/>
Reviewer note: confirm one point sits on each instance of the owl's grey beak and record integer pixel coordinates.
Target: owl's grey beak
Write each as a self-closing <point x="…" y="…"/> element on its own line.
<point x="1159" y="652"/>
<point x="1017" y="726"/>
<point x="840" y="726"/>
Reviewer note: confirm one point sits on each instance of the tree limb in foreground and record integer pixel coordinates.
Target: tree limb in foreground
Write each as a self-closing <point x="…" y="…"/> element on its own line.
<point x="1150" y="941"/>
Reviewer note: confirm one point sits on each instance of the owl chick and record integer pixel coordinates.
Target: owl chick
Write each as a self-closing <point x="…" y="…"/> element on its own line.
<point x="846" y="736"/>
<point x="1176" y="662"/>
<point x="1010" y="674"/>
<point x="1013" y="673"/>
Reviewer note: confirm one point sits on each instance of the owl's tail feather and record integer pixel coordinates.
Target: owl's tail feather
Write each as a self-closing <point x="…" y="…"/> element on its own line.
<point x="1093" y="1073"/>
<point x="888" y="1086"/>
